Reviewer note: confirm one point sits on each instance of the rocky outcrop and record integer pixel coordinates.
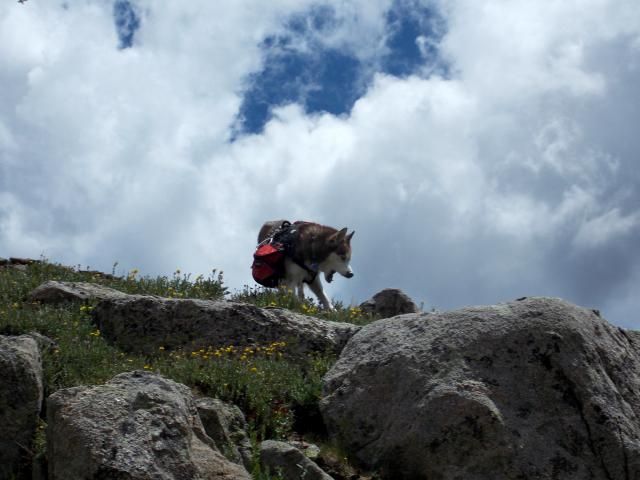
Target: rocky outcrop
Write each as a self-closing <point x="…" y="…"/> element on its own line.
<point x="389" y="303"/>
<point x="57" y="292"/>
<point x="310" y="450"/>
<point x="20" y="400"/>
<point x="14" y="261"/>
<point x="537" y="388"/>
<point x="139" y="425"/>
<point x="143" y="324"/>
<point x="17" y="264"/>
<point x="227" y="427"/>
<point x="290" y="463"/>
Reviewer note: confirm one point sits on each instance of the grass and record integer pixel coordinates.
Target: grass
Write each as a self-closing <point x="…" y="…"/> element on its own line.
<point x="264" y="297"/>
<point x="273" y="391"/>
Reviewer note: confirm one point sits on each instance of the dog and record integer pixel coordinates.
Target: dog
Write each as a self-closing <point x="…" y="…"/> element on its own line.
<point x="314" y="248"/>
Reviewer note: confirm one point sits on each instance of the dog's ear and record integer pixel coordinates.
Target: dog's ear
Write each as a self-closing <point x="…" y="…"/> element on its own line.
<point x="350" y="236"/>
<point x="338" y="237"/>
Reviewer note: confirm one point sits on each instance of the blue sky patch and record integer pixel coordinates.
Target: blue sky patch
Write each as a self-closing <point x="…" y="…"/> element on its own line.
<point x="413" y="34"/>
<point x="127" y="22"/>
<point x="299" y="68"/>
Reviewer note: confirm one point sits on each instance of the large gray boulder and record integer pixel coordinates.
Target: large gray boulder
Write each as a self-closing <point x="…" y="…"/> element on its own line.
<point x="20" y="400"/>
<point x="138" y="426"/>
<point x="54" y="292"/>
<point x="143" y="324"/>
<point x="533" y="389"/>
<point x="389" y="303"/>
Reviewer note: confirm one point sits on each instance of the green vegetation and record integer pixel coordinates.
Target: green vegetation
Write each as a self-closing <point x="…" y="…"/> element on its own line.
<point x="271" y="389"/>
<point x="274" y="298"/>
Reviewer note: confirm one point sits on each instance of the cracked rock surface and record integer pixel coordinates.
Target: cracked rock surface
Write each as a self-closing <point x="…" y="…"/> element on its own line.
<point x="137" y="426"/>
<point x="536" y="388"/>
<point x="142" y="323"/>
<point x="289" y="462"/>
<point x="21" y="391"/>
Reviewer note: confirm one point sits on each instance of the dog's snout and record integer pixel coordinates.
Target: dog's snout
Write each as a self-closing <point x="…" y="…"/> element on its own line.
<point x="348" y="274"/>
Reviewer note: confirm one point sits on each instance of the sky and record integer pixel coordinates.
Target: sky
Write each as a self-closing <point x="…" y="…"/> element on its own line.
<point x="482" y="150"/>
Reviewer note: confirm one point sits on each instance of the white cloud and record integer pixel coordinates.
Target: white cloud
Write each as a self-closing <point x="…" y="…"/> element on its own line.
<point x="605" y="228"/>
<point x="473" y="188"/>
<point x="512" y="49"/>
<point x="8" y="143"/>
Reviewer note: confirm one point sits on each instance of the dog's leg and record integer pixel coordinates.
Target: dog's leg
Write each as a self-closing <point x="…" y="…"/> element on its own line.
<point x="316" y="288"/>
<point x="301" y="292"/>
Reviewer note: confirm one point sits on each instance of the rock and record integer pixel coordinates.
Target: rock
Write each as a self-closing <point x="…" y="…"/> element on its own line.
<point x="57" y="292"/>
<point x="389" y="303"/>
<point x="17" y="264"/>
<point x="143" y="324"/>
<point x="226" y="425"/>
<point x="45" y="344"/>
<point x="22" y="261"/>
<point x="286" y="460"/>
<point x="634" y="338"/>
<point x="99" y="274"/>
<point x="537" y="388"/>
<point x="310" y="450"/>
<point x="39" y="471"/>
<point x="139" y="425"/>
<point x="336" y="466"/>
<point x="20" y="401"/>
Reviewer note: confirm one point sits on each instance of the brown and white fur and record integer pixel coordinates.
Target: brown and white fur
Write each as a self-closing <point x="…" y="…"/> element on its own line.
<point x="322" y="249"/>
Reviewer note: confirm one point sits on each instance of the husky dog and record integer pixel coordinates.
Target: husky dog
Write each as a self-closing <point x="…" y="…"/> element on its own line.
<point x="315" y="248"/>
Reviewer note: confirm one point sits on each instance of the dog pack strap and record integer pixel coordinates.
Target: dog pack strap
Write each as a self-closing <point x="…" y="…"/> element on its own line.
<point x="286" y="236"/>
<point x="309" y="270"/>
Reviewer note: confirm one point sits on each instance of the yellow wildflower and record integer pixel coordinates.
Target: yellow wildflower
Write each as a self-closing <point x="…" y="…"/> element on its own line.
<point x="132" y="274"/>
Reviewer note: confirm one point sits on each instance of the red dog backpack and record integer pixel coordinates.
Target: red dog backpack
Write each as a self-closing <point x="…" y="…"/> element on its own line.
<point x="268" y="264"/>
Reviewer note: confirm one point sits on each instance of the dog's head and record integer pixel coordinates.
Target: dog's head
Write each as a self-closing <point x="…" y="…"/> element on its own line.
<point x="340" y="257"/>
